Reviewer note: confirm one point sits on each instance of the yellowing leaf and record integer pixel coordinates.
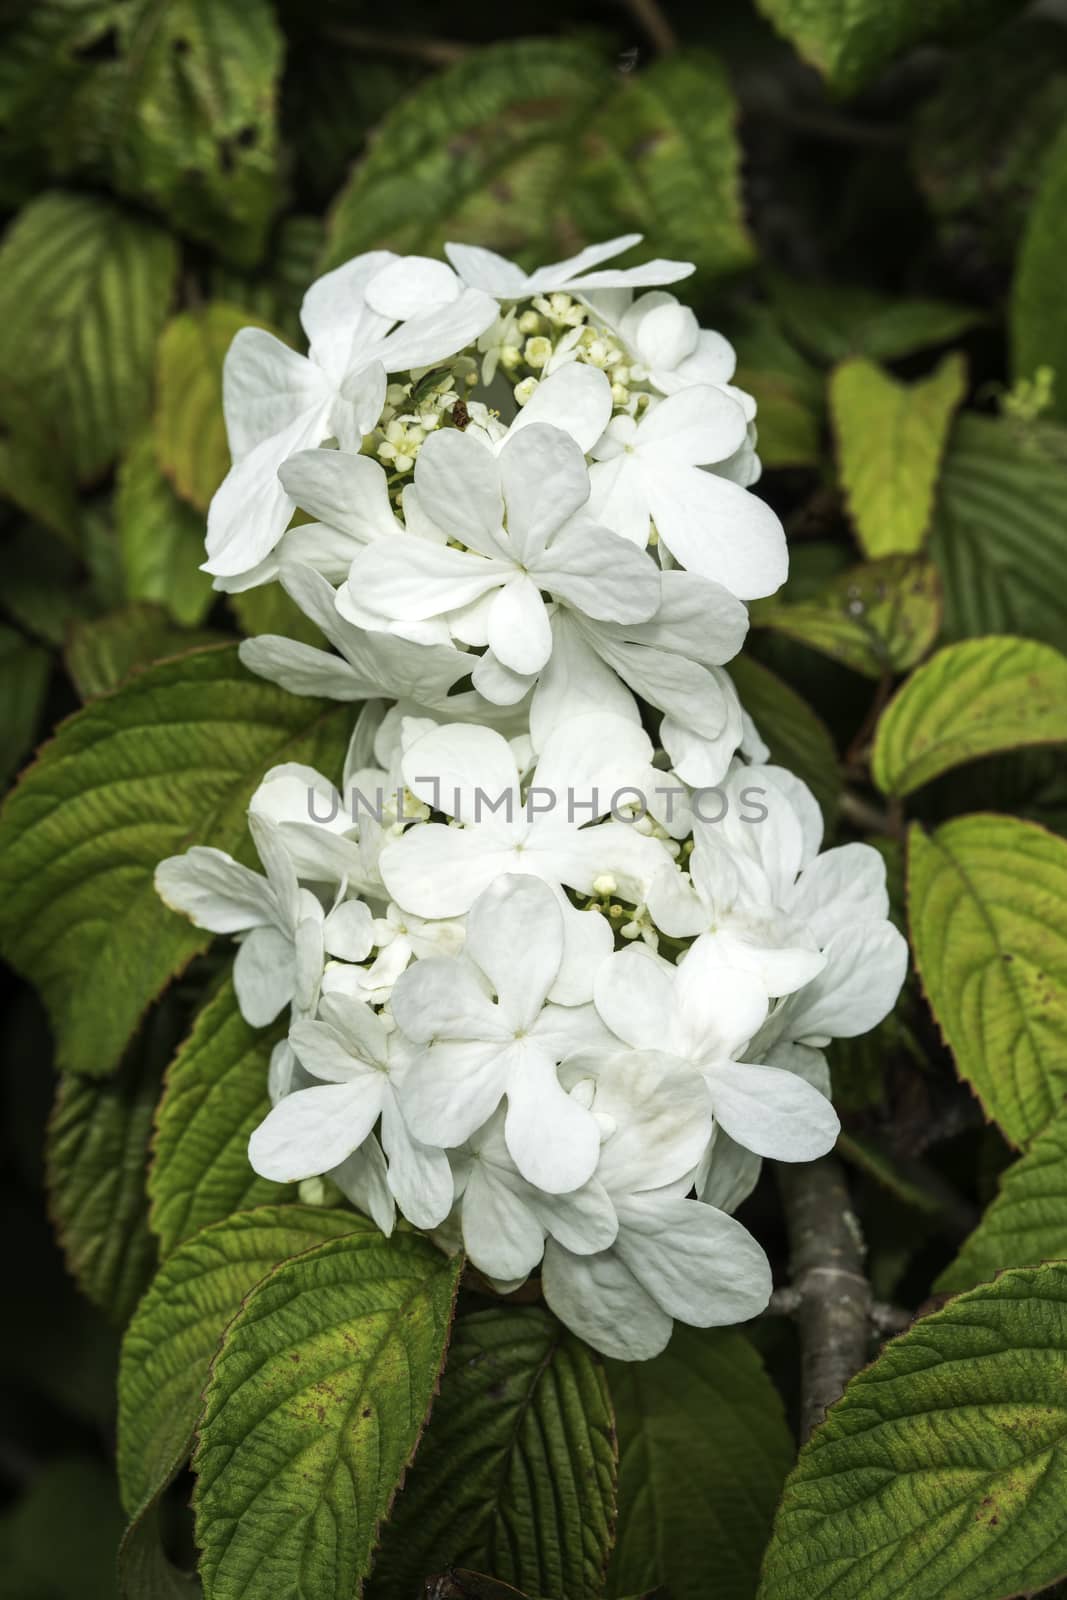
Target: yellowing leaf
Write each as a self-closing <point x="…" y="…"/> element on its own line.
<point x="890" y="439"/>
<point x="878" y="618"/>
<point x="985" y="907"/>
<point x="970" y="700"/>
<point x="1038" y="335"/>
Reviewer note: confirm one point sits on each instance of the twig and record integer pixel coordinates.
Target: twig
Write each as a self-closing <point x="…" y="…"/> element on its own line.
<point x="416" y="47"/>
<point x="863" y="814"/>
<point x="655" y="24"/>
<point x="826" y="1264"/>
<point x="884" y="1318"/>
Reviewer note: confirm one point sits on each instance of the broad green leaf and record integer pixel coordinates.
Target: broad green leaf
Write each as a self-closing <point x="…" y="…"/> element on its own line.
<point x="482" y="152"/>
<point x="1027" y="1222"/>
<point x="145" y="1570"/>
<point x="890" y="440"/>
<point x="1000" y="531"/>
<point x="978" y="143"/>
<point x="331" y="101"/>
<point x="193" y="126"/>
<point x="275" y="289"/>
<point x="312" y="1413"/>
<point x="704" y="1449"/>
<point x="44" y="587"/>
<point x="84" y="290"/>
<point x="795" y="735"/>
<point x="849" y="41"/>
<point x="57" y="1541"/>
<point x="190" y="430"/>
<point x="943" y="1469"/>
<point x="33" y="473"/>
<point x="969" y="700"/>
<point x="985" y="905"/>
<point x="97" y="1167"/>
<point x="214" y="1094"/>
<point x="177" y="1326"/>
<point x="167" y="761"/>
<point x="161" y="539"/>
<point x="663" y="158"/>
<point x="1039" y="337"/>
<point x="881" y="617"/>
<point x="103" y="651"/>
<point x="835" y="321"/>
<point x="24" y="673"/>
<point x="516" y="1473"/>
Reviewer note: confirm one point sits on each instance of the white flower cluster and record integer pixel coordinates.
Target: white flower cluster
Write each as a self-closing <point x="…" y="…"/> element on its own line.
<point x="555" y="985"/>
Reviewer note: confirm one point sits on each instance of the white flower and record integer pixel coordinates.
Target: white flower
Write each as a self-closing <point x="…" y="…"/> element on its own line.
<point x="668" y="342"/>
<point x="360" y="1060"/>
<point x="285" y="933"/>
<point x="479" y="1049"/>
<point x="471" y="773"/>
<point x="504" y="1220"/>
<point x="705" y="1015"/>
<point x="740" y="890"/>
<point x="652" y="471"/>
<point x="277" y="402"/>
<point x="516" y="516"/>
<point x="399" y="938"/>
<point x="309" y="813"/>
<point x="484" y="269"/>
<point x="672" y="1257"/>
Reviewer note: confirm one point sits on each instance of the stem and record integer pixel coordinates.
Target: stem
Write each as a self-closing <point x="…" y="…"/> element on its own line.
<point x="648" y="14"/>
<point x="826" y="1262"/>
<point x="436" y="52"/>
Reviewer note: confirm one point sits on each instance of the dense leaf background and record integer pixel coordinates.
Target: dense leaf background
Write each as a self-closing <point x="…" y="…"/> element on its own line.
<point x="874" y="193"/>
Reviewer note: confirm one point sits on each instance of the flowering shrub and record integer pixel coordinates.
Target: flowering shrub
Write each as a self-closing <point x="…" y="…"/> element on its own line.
<point x="544" y="867"/>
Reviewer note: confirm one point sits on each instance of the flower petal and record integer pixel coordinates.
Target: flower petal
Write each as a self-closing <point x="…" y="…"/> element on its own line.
<point x="552" y="1139"/>
<point x="600" y="1300"/>
<point x="214" y="891"/>
<point x="772" y="1112"/>
<point x="348" y="492"/>
<point x="443" y="997"/>
<point x="697" y="1263"/>
<point x="264" y="975"/>
<point x="717" y="529"/>
<point x="598" y="573"/>
<point x="515" y="935"/>
<point x="314" y="1129"/>
<point x="544" y="481"/>
<point x="577" y="399"/>
<point x="519" y="632"/>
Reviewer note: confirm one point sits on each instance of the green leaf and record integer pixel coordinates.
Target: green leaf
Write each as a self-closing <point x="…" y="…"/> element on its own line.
<point x="516" y="1474"/>
<point x="849" y="41"/>
<point x="167" y="761"/>
<point x="214" y="1094"/>
<point x="943" y="1469"/>
<point x="1026" y="1223"/>
<point x="268" y="609"/>
<point x="663" y="158"/>
<point x="103" y="651"/>
<point x="788" y="390"/>
<point x="84" y="290"/>
<point x="24" y="674"/>
<point x="161" y="539"/>
<point x="890" y="440"/>
<point x="985" y="904"/>
<point x="190" y="430"/>
<point x="145" y="1571"/>
<point x="177" y="1327"/>
<point x="1039" y="336"/>
<point x="483" y="152"/>
<point x="193" y="127"/>
<point x="44" y="584"/>
<point x="97" y="1166"/>
<point x="969" y="700"/>
<point x="312" y="1413"/>
<point x="881" y="617"/>
<point x="1000" y="531"/>
<point x="704" y="1450"/>
<point x="796" y="736"/>
<point x="57" y="1542"/>
<point x="32" y="472"/>
<point x="835" y="321"/>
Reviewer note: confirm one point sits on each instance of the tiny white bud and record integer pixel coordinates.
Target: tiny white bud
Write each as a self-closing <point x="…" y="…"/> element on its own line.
<point x="524" y="390"/>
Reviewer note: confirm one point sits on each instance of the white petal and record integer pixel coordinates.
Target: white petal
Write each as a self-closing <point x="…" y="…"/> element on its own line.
<point x="728" y="1174"/>
<point x="773" y="1112"/>
<point x="718" y="530"/>
<point x="600" y="1300"/>
<point x="840" y="888"/>
<point x="575" y="681"/>
<point x="498" y="683"/>
<point x="599" y="574"/>
<point x="691" y="428"/>
<point x="696" y="618"/>
<point x="515" y="935"/>
<point x="458" y="484"/>
<point x="519" y="633"/>
<point x="348" y="932"/>
<point x="266" y="388"/>
<point x="697" y="1263"/>
<point x="348" y="492"/>
<point x="587" y="942"/>
<point x="552" y="1139"/>
<point x="436" y="334"/>
<point x="544" y="481"/>
<point x="634" y="993"/>
<point x="661" y="1115"/>
<point x="618" y="498"/>
<point x="577" y="399"/>
<point x="335" y="315"/>
<point x="484" y="269"/>
<point x="264" y="975"/>
<point x="452" y="766"/>
<point x="443" y="997"/>
<point x="719" y="1008"/>
<point x="561" y="272"/>
<point x="250" y="510"/>
<point x="674" y="905"/>
<point x="583" y="1222"/>
<point x="453" y="1088"/>
<point x="314" y="1129"/>
<point x="500" y="1232"/>
<point x="362" y="1178"/>
<point x="419" y="1174"/>
<point x="411" y="285"/>
<point x="436" y="871"/>
<point x="859" y="985"/>
<point x="408" y="579"/>
<point x="214" y="891"/>
<point x="301" y="668"/>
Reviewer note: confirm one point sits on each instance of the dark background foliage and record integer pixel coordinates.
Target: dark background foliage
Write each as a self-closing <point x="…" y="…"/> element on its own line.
<point x="880" y="192"/>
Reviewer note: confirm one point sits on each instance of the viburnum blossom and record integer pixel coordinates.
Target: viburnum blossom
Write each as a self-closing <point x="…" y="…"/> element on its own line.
<point x="560" y="945"/>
